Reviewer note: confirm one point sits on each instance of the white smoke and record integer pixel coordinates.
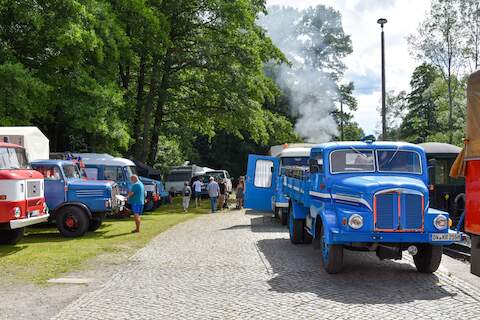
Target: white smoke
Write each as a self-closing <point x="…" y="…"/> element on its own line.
<point x="310" y="89"/>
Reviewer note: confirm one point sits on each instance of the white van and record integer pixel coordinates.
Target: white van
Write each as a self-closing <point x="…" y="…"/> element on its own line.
<point x="221" y="175"/>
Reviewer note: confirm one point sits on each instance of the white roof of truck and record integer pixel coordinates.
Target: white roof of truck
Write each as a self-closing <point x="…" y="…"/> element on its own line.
<point x="276" y="150"/>
<point x="119" y="162"/>
<point x="31" y="138"/>
<point x="294" y="152"/>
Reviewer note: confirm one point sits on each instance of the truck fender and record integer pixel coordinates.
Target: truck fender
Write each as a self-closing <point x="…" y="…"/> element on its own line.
<point x="299" y="211"/>
<point x="76" y="204"/>
<point x="326" y="217"/>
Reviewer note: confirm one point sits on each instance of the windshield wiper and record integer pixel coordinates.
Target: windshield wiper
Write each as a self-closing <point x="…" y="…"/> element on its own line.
<point x="393" y="156"/>
<point x="359" y="152"/>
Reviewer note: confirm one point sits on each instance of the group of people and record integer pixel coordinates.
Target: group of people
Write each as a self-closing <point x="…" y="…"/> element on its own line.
<point x="216" y="189"/>
<point x="217" y="192"/>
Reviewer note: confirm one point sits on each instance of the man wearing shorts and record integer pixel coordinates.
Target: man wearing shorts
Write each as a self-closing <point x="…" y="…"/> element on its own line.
<point x="136" y="198"/>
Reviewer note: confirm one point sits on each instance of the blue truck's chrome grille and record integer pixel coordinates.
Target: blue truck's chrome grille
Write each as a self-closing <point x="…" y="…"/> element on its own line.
<point x="398" y="211"/>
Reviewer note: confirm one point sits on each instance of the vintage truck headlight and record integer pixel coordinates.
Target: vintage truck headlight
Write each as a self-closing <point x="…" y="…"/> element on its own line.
<point x="355" y="221"/>
<point x="17" y="212"/>
<point x="440" y="222"/>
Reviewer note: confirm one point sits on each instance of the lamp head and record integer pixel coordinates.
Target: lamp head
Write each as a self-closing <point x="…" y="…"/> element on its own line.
<point x="382" y="21"/>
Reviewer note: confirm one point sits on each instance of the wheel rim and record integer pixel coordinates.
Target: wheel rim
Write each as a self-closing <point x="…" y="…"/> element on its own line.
<point x="290" y="224"/>
<point x="71" y="222"/>
<point x="325" y="247"/>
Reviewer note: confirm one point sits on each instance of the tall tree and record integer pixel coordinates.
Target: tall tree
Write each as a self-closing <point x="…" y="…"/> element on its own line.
<point x="420" y="121"/>
<point x="439" y="42"/>
<point x="471" y="25"/>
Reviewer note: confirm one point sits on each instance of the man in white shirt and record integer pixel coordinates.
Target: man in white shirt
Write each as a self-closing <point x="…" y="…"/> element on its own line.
<point x="213" y="192"/>
<point x="197" y="191"/>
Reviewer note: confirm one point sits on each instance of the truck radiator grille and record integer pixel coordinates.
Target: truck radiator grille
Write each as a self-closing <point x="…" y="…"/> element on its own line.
<point x="399" y="212"/>
<point x="89" y="193"/>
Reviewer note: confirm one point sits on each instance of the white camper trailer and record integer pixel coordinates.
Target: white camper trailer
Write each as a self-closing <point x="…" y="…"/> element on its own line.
<point x="32" y="139"/>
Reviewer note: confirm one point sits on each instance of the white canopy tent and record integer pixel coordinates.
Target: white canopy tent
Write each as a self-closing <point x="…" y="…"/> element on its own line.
<point x="31" y="138"/>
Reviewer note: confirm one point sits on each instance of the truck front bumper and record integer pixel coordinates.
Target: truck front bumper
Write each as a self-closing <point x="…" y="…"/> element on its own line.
<point x="342" y="237"/>
<point x="20" y="223"/>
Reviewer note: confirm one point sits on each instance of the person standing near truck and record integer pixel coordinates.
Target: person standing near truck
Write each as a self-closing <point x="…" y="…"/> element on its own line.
<point x="213" y="191"/>
<point x="136" y="198"/>
<point x="223" y="191"/>
<point x="197" y="191"/>
<point x="186" y="193"/>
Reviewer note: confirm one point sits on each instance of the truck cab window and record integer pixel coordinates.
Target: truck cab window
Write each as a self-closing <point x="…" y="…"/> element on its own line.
<point x="49" y="172"/>
<point x="113" y="173"/>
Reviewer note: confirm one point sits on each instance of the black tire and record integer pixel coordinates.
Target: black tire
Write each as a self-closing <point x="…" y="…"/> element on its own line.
<point x="428" y="258"/>
<point x="72" y="221"/>
<point x="11" y="236"/>
<point x="94" y="224"/>
<point x="332" y="255"/>
<point x="296" y="228"/>
<point x="283" y="216"/>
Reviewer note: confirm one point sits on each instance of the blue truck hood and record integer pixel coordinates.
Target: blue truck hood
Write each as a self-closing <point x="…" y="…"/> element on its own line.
<point x="79" y="184"/>
<point x="370" y="184"/>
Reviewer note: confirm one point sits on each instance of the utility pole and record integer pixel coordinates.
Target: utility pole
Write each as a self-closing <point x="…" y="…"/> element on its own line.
<point x="341" y="119"/>
<point x="381" y="22"/>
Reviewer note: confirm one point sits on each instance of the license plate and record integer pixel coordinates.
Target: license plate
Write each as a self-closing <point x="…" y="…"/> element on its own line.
<point x="34" y="213"/>
<point x="446" y="237"/>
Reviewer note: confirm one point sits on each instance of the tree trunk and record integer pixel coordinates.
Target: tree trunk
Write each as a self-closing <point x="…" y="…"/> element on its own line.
<point x="139" y="107"/>
<point x="147" y="114"/>
<point x="159" y="112"/>
<point x="450" y="108"/>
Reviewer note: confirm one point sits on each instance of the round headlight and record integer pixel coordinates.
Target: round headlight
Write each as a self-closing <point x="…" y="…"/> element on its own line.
<point x="17" y="212"/>
<point x="440" y="222"/>
<point x="355" y="221"/>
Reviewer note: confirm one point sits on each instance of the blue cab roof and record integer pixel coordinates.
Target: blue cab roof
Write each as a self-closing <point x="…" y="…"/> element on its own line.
<point x="328" y="146"/>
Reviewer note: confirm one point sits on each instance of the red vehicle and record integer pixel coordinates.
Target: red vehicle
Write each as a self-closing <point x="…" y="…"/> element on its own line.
<point x="467" y="164"/>
<point x="22" y="200"/>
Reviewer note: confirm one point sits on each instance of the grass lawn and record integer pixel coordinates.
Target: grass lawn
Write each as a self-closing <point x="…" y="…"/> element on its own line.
<point x="43" y="254"/>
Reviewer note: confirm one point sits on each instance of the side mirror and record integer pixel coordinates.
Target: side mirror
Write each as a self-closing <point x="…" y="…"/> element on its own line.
<point x="313" y="164"/>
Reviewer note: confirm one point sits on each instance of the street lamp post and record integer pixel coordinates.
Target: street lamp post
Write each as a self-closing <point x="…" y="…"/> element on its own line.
<point x="381" y="22"/>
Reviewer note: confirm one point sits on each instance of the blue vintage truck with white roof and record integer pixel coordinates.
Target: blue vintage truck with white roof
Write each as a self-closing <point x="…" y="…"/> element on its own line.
<point x="76" y="205"/>
<point x="120" y="170"/>
<point x="366" y="196"/>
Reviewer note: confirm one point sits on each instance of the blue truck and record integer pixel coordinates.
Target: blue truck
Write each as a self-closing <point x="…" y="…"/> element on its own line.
<point x="76" y="205"/>
<point x="289" y="158"/>
<point x="365" y="196"/>
<point x="120" y="170"/>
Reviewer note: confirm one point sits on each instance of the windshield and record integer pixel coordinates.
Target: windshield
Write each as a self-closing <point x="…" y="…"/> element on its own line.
<point x="13" y="158"/>
<point x="71" y="172"/>
<point x="179" y="176"/>
<point x="350" y="161"/>
<point x="131" y="170"/>
<point x="398" y="161"/>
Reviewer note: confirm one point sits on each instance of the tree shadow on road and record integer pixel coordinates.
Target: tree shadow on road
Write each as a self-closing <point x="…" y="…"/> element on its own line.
<point x="364" y="280"/>
<point x="260" y="223"/>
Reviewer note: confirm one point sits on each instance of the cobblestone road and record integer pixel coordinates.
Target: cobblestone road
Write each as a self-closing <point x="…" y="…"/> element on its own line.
<point x="242" y="266"/>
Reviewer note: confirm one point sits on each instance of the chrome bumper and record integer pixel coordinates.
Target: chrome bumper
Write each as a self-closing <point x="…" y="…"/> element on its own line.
<point x="20" y="223"/>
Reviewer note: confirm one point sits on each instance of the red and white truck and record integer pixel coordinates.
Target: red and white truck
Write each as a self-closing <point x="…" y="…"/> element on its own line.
<point x="22" y="200"/>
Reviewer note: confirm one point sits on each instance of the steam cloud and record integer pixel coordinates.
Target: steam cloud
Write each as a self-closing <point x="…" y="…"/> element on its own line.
<point x="310" y="90"/>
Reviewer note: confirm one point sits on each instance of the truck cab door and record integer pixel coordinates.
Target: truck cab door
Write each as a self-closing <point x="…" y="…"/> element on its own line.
<point x="260" y="184"/>
<point x="55" y="185"/>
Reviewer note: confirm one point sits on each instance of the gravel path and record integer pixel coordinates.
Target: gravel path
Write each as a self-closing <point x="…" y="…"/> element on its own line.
<point x="241" y="265"/>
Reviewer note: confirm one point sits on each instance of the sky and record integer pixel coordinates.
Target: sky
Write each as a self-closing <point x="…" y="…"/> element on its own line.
<point x="359" y="19"/>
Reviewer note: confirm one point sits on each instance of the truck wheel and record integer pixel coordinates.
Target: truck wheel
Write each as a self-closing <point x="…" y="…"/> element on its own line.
<point x="11" y="236"/>
<point x="72" y="222"/>
<point x="296" y="228"/>
<point x="283" y="216"/>
<point x="332" y="255"/>
<point x="428" y="258"/>
<point x="94" y="224"/>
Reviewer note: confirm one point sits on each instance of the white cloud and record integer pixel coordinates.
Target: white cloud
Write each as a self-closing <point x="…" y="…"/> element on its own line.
<point x="359" y="18"/>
